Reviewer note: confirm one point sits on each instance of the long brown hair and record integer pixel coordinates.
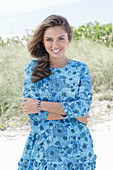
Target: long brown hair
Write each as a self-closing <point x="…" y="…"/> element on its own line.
<point x="37" y="49"/>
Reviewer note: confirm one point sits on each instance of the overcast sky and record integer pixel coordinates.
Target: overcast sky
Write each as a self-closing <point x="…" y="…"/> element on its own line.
<point x="22" y="6"/>
<point x="18" y="15"/>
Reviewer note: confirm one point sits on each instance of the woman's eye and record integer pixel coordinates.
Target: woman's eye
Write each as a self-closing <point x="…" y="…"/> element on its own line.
<point x="61" y="38"/>
<point x="48" y="40"/>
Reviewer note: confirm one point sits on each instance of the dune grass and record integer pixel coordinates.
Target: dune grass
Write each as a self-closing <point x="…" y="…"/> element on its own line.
<point x="98" y="57"/>
<point x="12" y="62"/>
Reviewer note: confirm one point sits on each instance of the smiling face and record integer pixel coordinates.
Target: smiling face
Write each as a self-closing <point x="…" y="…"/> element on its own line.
<point x="55" y="40"/>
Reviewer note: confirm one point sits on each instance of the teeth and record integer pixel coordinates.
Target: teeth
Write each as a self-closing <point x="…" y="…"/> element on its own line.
<point x="56" y="50"/>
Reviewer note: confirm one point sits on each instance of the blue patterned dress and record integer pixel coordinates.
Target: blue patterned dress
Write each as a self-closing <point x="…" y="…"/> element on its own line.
<point x="64" y="144"/>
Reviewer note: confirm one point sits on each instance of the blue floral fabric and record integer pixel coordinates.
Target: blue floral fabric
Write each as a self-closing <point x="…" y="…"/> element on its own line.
<point x="64" y="144"/>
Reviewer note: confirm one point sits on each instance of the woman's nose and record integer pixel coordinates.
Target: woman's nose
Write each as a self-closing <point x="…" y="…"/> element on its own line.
<point x="55" y="44"/>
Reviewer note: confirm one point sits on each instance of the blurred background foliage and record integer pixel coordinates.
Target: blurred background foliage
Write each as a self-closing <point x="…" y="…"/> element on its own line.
<point x="93" y="31"/>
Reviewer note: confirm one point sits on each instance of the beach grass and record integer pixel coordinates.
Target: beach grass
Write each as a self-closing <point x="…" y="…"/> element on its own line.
<point x="97" y="56"/>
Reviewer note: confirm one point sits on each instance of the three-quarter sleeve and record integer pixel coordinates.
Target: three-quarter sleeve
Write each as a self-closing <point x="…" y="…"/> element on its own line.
<point x="80" y="105"/>
<point x="30" y="90"/>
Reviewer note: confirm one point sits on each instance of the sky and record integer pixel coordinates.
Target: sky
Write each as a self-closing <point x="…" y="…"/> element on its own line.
<point x="17" y="16"/>
<point x="22" y="6"/>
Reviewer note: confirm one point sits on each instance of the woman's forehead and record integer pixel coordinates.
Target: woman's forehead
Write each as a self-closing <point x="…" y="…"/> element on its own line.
<point x="57" y="30"/>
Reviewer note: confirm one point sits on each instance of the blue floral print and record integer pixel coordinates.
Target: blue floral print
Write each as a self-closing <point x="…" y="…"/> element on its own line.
<point x="64" y="144"/>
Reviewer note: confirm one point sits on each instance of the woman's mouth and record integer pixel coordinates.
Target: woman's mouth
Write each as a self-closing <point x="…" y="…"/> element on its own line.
<point x="56" y="51"/>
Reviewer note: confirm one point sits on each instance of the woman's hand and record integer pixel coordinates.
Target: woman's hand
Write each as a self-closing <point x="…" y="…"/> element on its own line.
<point x="29" y="106"/>
<point x="83" y="120"/>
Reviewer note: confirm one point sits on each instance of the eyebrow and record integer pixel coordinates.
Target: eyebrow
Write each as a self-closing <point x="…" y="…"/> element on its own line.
<point x="57" y="37"/>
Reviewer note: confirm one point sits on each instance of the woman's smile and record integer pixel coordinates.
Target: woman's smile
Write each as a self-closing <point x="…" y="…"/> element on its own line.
<point x="56" y="51"/>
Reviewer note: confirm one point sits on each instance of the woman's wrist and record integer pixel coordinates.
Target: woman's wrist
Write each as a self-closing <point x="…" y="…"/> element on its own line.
<point x="42" y="104"/>
<point x="38" y="106"/>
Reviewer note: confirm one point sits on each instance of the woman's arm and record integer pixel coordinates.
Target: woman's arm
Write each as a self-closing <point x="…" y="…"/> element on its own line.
<point x="54" y="109"/>
<point x="54" y="116"/>
<point x="30" y="106"/>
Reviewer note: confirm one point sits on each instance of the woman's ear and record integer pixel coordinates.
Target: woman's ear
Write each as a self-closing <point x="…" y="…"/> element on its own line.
<point x="42" y="43"/>
<point x="71" y="35"/>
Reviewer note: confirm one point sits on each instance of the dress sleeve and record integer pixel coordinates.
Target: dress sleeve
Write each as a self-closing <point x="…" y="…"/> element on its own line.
<point x="80" y="106"/>
<point x="30" y="90"/>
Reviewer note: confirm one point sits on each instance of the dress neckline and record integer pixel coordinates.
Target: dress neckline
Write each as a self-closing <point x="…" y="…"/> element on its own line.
<point x="61" y="67"/>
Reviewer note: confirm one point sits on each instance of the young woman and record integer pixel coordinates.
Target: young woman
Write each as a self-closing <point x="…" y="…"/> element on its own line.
<point x="57" y="95"/>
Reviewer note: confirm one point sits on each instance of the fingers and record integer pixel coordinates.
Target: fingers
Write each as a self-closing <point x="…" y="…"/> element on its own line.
<point x="22" y="104"/>
<point x="25" y="111"/>
<point x="82" y="120"/>
<point x="88" y="116"/>
<point x="25" y="99"/>
<point x="86" y="122"/>
<point x="24" y="108"/>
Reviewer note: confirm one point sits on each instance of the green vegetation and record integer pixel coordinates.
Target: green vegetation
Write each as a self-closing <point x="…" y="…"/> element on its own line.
<point x="96" y="32"/>
<point x="12" y="62"/>
<point x="14" y="55"/>
<point x="93" y="31"/>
